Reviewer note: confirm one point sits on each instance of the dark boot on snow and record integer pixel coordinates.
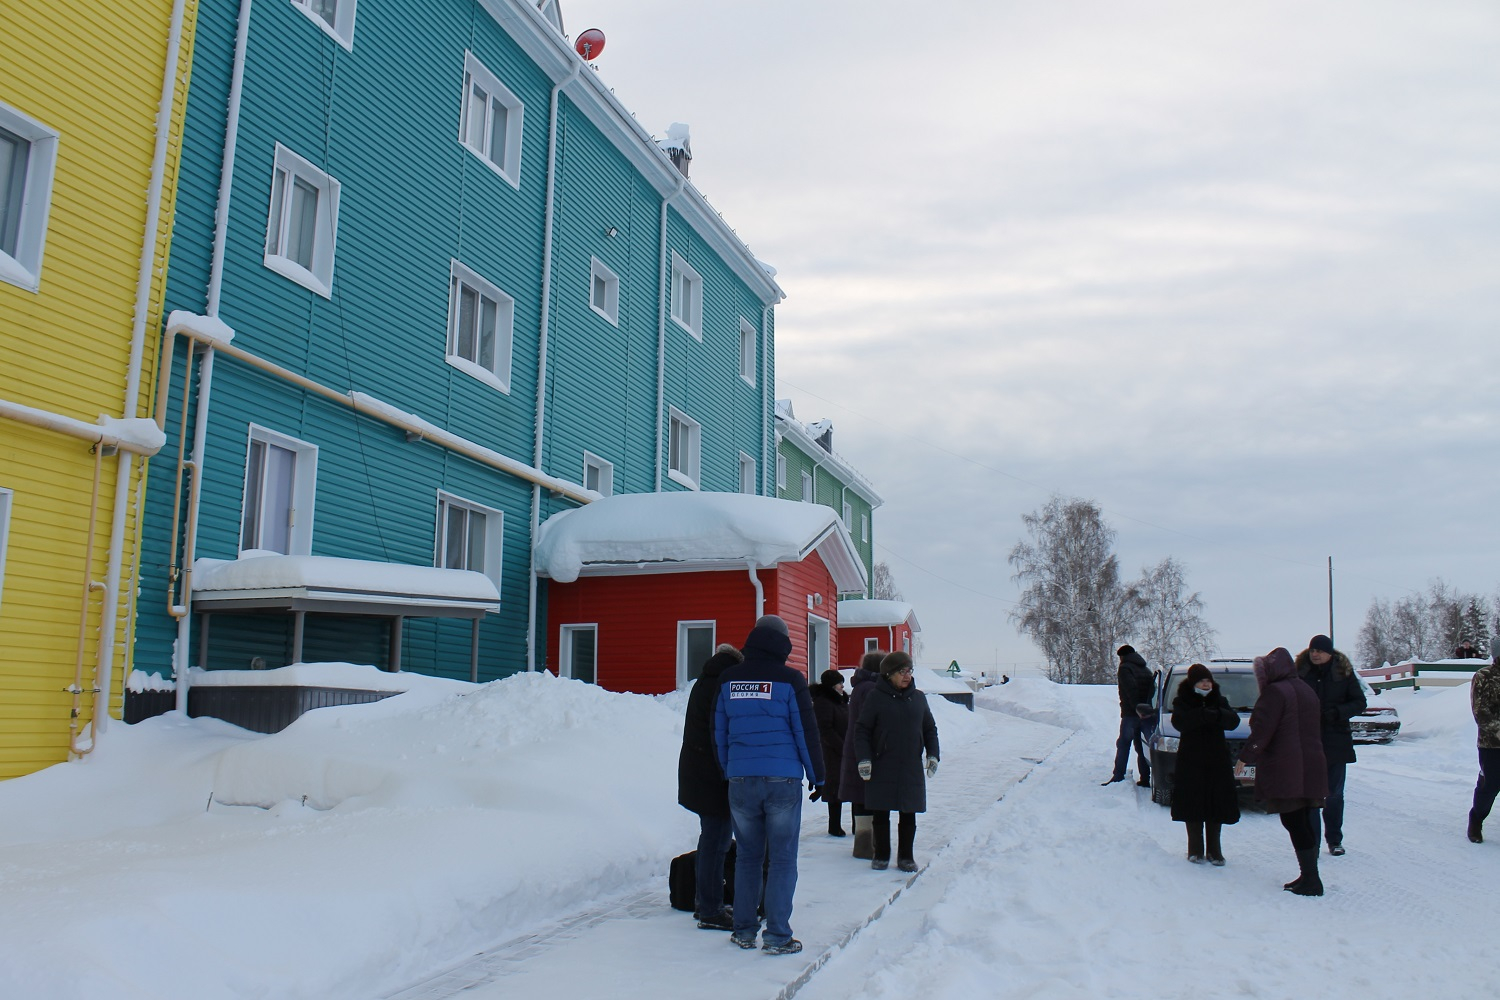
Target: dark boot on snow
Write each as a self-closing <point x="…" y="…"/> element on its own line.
<point x="1309" y="884"/>
<point x="1476" y="831"/>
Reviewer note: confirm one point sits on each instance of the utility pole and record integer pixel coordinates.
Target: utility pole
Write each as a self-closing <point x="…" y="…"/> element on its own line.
<point x="1330" y="598"/>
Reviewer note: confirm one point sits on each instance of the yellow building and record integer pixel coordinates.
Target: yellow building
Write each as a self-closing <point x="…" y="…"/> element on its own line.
<point x="92" y="96"/>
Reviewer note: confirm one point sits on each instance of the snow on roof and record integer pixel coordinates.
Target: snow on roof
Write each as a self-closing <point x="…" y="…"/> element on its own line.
<point x="257" y="570"/>
<point x="692" y="530"/>
<point x="867" y="614"/>
<point x="805" y="437"/>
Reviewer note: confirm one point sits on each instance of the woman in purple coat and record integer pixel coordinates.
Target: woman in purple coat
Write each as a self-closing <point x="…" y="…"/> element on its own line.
<point x="1286" y="749"/>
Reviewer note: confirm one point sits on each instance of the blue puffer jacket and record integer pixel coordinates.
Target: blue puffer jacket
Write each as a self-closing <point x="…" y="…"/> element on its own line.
<point x="764" y="724"/>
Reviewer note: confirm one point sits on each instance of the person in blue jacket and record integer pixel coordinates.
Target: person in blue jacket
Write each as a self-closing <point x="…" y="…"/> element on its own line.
<point x="766" y="738"/>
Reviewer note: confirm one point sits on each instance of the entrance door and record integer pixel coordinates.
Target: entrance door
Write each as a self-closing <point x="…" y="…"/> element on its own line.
<point x="818" y="647"/>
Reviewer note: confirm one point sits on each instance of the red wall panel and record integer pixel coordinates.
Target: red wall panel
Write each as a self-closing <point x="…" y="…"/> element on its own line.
<point x="852" y="640"/>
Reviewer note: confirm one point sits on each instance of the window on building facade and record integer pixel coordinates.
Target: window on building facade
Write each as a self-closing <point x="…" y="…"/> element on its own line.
<point x="598" y="475"/>
<point x="7" y="498"/>
<point x="848" y="515"/>
<point x="747" y="352"/>
<point x="807" y="487"/>
<point x="871" y="645"/>
<point x="469" y="536"/>
<point x="604" y="292"/>
<point x="334" y="16"/>
<point x="480" y="322"/>
<point x="302" y="227"/>
<point x="683" y="446"/>
<point x="695" y="644"/>
<point x="747" y="474"/>
<point x="280" y="483"/>
<point x="579" y="653"/>
<point x="687" y="297"/>
<point x="864" y="527"/>
<point x="781" y="472"/>
<point x="28" y="156"/>
<point x="491" y="120"/>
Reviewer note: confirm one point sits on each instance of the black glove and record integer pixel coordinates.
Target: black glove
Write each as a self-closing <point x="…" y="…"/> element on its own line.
<point x="1331" y="716"/>
<point x="817" y="792"/>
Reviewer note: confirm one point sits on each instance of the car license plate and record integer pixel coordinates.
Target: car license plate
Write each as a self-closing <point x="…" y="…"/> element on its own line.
<point x="1249" y="773"/>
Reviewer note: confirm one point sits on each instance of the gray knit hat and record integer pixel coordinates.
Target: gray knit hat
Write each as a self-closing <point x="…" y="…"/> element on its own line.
<point x="773" y="622"/>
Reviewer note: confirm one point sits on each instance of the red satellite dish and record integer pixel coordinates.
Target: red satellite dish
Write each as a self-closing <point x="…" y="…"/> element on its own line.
<point x="590" y="43"/>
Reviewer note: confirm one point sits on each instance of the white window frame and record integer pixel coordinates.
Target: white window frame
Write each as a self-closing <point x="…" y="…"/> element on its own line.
<point x="610" y="309"/>
<point x="809" y="487"/>
<point x="780" y="471"/>
<point x="477" y="73"/>
<point x="24" y="267"/>
<point x="505" y="323"/>
<point x="7" y="503"/>
<point x="848" y="517"/>
<point x="825" y="660"/>
<point x="748" y="483"/>
<point x="319" y="277"/>
<point x="606" y="470"/>
<point x="494" y="535"/>
<point x="565" y="649"/>
<point x="689" y="469"/>
<point x="682" y="645"/>
<point x="906" y="642"/>
<point x="748" y="350"/>
<point x="871" y="644"/>
<point x="304" y="490"/>
<point x="341" y="28"/>
<point x="687" y="297"/>
<point x="864" y="527"/>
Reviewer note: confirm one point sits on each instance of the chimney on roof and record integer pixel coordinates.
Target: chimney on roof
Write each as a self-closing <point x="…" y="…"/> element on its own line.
<point x="678" y="147"/>
<point x="822" y="433"/>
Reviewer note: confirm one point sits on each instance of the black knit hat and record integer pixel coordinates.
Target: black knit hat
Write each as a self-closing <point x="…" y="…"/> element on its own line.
<point x="1321" y="643"/>
<point x="1127" y="648"/>
<point x="894" y="663"/>
<point x="831" y="679"/>
<point x="1198" y="672"/>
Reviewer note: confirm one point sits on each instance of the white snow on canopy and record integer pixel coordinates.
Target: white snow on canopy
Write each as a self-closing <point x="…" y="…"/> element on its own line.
<point x="870" y="614"/>
<point x="691" y="530"/>
<point x="209" y="328"/>
<point x="274" y="572"/>
<point x="350" y="676"/>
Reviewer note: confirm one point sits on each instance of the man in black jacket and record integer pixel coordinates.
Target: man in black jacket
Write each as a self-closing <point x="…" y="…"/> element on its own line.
<point x="1331" y="675"/>
<point x="701" y="788"/>
<point x="1137" y="689"/>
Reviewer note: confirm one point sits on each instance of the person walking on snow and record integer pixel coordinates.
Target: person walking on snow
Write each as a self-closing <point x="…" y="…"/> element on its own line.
<point x="895" y="727"/>
<point x="1137" y="688"/>
<point x="851" y="788"/>
<point x="1286" y="749"/>
<point x="1204" y="793"/>
<point x="831" y="706"/>
<point x="1331" y="676"/>
<point x="766" y="737"/>
<point x="701" y="789"/>
<point x="1484" y="698"/>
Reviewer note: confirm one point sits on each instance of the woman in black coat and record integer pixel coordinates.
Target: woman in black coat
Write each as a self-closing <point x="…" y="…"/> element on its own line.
<point x="895" y="726"/>
<point x="701" y="788"/>
<point x="1205" y="795"/>
<point x="831" y="706"/>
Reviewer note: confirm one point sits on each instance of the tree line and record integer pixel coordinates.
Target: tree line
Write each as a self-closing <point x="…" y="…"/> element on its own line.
<point x="1426" y="625"/>
<point x="1077" y="610"/>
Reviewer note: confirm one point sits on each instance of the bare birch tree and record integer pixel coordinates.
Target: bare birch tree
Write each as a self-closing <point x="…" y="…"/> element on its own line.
<point x="1169" y="627"/>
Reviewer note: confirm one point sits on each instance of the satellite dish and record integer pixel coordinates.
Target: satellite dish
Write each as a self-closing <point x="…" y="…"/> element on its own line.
<point x="590" y="43"/>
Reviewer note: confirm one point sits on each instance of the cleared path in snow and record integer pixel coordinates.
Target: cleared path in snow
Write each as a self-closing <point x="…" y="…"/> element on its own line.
<point x="1067" y="889"/>
<point x="600" y="951"/>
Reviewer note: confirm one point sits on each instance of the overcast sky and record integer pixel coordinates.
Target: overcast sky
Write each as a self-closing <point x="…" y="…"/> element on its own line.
<point x="1230" y="270"/>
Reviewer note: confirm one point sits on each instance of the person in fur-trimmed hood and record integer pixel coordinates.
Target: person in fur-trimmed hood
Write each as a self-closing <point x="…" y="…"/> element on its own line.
<point x="1331" y="676"/>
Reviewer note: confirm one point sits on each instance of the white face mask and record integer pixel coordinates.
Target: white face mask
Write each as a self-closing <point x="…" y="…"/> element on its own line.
<point x="1199" y="691"/>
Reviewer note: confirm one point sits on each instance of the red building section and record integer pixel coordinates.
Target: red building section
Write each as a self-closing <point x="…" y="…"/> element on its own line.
<point x="648" y="631"/>
<point x="888" y="625"/>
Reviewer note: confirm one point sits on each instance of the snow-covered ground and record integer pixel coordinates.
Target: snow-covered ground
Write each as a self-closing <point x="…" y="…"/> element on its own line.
<point x="376" y="850"/>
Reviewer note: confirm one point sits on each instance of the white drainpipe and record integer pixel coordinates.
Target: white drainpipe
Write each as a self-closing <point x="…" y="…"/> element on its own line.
<point x="541" y="363"/>
<point x="206" y="366"/>
<point x="661" y="331"/>
<point x="760" y="594"/>
<point x="104" y="668"/>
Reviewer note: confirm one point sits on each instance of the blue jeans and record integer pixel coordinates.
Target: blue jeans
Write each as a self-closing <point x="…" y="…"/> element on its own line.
<point x="714" y="833"/>
<point x="1332" y="819"/>
<point x="1136" y="730"/>
<point x="767" y="819"/>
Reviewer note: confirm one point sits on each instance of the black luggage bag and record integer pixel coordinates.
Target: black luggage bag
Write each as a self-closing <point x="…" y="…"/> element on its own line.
<point x="682" y="880"/>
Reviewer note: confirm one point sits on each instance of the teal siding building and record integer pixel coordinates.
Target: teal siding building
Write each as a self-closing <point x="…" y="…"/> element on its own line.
<point x="809" y="470"/>
<point x="430" y="284"/>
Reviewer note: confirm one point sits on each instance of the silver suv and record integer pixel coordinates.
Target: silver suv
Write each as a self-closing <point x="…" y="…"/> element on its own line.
<point x="1236" y="679"/>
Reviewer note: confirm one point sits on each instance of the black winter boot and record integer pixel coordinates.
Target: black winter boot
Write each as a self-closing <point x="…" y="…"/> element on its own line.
<point x="1309" y="884"/>
<point x="1476" y="830"/>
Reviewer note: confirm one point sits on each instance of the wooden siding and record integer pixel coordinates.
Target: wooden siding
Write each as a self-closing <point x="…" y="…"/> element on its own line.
<point x="831" y="492"/>
<point x="794" y="582"/>
<point x="638" y="615"/>
<point x="66" y="347"/>
<point x="852" y="641"/>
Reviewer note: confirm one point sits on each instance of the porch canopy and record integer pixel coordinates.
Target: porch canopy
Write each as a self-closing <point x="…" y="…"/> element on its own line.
<point x="299" y="585"/>
<point x="689" y="531"/>
<point x="877" y="614"/>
